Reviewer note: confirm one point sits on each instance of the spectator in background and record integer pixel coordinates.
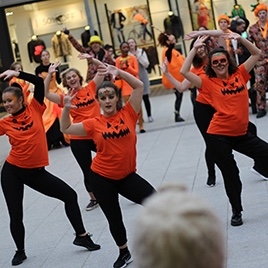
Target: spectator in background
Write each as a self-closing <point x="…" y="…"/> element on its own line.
<point x="259" y="36"/>
<point x="143" y="61"/>
<point x="239" y="25"/>
<point x="95" y="50"/>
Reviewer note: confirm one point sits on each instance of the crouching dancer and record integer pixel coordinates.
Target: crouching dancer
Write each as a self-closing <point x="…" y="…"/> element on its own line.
<point x="26" y="163"/>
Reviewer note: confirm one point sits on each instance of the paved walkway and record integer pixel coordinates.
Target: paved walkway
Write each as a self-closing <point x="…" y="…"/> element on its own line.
<point x="168" y="151"/>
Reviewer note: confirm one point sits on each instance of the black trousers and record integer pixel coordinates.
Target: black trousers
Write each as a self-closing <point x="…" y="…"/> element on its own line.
<point x="132" y="187"/>
<point x="222" y="148"/>
<point x="13" y="179"/>
<point x="203" y="114"/>
<point x="147" y="104"/>
<point x="81" y="150"/>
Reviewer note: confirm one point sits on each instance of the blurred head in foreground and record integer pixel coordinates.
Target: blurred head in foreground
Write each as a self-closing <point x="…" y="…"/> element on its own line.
<point x="178" y="229"/>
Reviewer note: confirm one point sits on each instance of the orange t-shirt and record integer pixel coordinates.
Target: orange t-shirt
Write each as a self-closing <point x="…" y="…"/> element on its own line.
<point x="133" y="68"/>
<point x="87" y="106"/>
<point x="174" y="67"/>
<point x="229" y="97"/>
<point x="115" y="138"/>
<point x="203" y="97"/>
<point x="27" y="137"/>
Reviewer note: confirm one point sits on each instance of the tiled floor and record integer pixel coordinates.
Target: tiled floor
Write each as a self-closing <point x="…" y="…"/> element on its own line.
<point x="168" y="151"/>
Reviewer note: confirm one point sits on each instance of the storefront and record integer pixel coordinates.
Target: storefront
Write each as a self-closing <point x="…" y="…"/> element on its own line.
<point x="26" y="22"/>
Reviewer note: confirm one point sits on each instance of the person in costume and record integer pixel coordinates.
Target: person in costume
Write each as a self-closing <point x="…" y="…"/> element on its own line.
<point x="95" y="50"/>
<point x="225" y="84"/>
<point x="113" y="169"/>
<point x="258" y="34"/>
<point x="87" y="107"/>
<point x="174" y="62"/>
<point x="129" y="63"/>
<point x="25" y="164"/>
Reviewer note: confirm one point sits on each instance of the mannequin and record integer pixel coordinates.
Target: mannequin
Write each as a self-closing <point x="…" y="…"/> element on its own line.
<point x="35" y="47"/>
<point x="238" y="11"/>
<point x="173" y="25"/>
<point x="85" y="36"/>
<point x="117" y="19"/>
<point x="61" y="45"/>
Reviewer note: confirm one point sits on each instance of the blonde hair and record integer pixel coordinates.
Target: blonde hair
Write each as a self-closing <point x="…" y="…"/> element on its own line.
<point x="178" y="229"/>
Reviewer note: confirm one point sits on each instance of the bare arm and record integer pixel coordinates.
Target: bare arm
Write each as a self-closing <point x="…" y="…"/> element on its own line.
<point x="98" y="79"/>
<point x="66" y="126"/>
<point x="185" y="69"/>
<point x="194" y="34"/>
<point x="54" y="97"/>
<point x="180" y="86"/>
<point x="254" y="51"/>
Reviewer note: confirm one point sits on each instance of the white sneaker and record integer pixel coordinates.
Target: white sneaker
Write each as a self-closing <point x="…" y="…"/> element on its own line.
<point x="253" y="170"/>
<point x="150" y="119"/>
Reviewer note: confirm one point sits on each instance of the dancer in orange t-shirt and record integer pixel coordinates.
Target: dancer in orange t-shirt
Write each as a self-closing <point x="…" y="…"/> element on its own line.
<point x="228" y="129"/>
<point x="130" y="64"/>
<point x="52" y="113"/>
<point x="113" y="169"/>
<point x="174" y="62"/>
<point x="87" y="107"/>
<point x="25" y="164"/>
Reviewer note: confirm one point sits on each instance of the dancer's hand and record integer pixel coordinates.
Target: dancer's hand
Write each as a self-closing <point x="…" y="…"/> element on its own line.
<point x="53" y="67"/>
<point x="83" y="56"/>
<point x="200" y="41"/>
<point x="9" y="74"/>
<point x="68" y="98"/>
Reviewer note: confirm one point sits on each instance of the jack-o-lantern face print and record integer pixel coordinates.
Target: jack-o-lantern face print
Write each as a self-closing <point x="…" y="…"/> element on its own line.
<point x="232" y="88"/>
<point x="84" y="101"/>
<point x="116" y="131"/>
<point x="22" y="125"/>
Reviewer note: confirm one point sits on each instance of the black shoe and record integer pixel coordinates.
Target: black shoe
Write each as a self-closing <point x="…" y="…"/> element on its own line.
<point x="92" y="204"/>
<point x="19" y="257"/>
<point x="211" y="181"/>
<point x="261" y="113"/>
<point x="86" y="241"/>
<point x="236" y="219"/>
<point x="123" y="260"/>
<point x="256" y="169"/>
<point x="254" y="109"/>
<point x="178" y="118"/>
<point x="142" y="130"/>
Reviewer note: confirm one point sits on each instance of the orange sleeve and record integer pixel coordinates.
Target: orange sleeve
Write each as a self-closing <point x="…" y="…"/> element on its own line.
<point x="133" y="67"/>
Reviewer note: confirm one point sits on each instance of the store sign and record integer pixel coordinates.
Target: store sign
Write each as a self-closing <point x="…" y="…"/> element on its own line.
<point x="51" y="20"/>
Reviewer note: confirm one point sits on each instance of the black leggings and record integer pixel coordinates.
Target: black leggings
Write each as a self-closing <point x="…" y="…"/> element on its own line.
<point x="13" y="179"/>
<point x="178" y="100"/>
<point x="222" y="148"/>
<point x="147" y="104"/>
<point x="203" y="114"/>
<point x="132" y="187"/>
<point x="81" y="150"/>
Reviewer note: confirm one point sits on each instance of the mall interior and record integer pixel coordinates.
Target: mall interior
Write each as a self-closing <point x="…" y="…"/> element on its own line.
<point x="25" y="25"/>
